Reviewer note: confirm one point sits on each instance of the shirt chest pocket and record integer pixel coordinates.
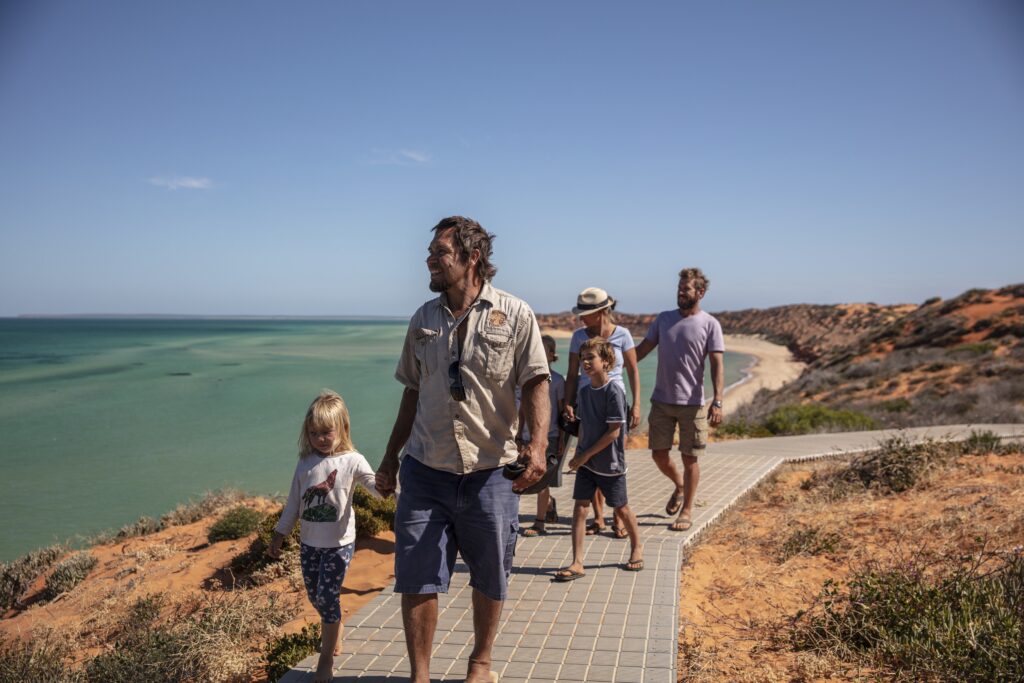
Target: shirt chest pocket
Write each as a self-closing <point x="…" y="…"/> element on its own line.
<point x="426" y="349"/>
<point x="497" y="353"/>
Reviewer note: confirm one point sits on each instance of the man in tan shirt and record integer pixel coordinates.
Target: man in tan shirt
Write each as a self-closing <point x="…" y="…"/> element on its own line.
<point x="465" y="353"/>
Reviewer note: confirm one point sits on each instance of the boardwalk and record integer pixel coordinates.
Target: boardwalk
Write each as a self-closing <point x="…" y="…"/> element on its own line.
<point x="550" y="631"/>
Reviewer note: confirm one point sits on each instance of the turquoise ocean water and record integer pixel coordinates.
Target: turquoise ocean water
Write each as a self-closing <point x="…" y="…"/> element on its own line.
<point x="102" y="420"/>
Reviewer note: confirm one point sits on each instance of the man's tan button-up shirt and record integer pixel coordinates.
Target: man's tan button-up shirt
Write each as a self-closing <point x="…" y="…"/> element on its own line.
<point x="502" y="350"/>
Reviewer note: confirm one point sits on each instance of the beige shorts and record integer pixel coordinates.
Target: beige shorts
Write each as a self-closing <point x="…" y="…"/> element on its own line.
<point x="693" y="428"/>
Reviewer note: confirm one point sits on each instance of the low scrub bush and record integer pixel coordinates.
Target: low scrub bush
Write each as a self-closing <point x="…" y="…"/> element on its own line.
<point x="958" y="621"/>
<point x="193" y="511"/>
<point x="143" y="648"/>
<point x="982" y="443"/>
<point x="373" y="515"/>
<point x="18" y="575"/>
<point x="237" y="522"/>
<point x="808" y="418"/>
<point x="809" y="540"/>
<point x="68" y="574"/>
<point x="896" y="405"/>
<point x="897" y="465"/>
<point x="287" y="651"/>
<point x="44" y="658"/>
<point x="975" y="348"/>
<point x="255" y="558"/>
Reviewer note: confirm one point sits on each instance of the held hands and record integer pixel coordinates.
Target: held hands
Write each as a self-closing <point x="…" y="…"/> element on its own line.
<point x="386" y="479"/>
<point x="569" y="413"/>
<point x="575" y="463"/>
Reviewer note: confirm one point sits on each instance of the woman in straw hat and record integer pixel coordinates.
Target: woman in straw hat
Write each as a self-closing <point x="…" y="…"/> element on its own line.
<point x="594" y="307"/>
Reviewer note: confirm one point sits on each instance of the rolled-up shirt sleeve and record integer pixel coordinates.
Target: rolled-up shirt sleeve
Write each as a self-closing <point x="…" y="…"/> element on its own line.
<point x="531" y="359"/>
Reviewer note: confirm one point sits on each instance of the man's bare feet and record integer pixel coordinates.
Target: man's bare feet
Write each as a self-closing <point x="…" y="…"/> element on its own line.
<point x="481" y="673"/>
<point x="324" y="669"/>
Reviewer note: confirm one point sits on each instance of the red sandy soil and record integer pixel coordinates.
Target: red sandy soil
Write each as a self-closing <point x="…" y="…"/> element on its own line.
<point x="737" y="598"/>
<point x="179" y="562"/>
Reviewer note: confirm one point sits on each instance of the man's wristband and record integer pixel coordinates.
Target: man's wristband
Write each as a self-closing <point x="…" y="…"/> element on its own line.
<point x="716" y="404"/>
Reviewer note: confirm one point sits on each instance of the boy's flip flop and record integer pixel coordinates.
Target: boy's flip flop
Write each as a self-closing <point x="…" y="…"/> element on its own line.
<point x="682" y="523"/>
<point x="563" y="575"/>
<point x="675" y="502"/>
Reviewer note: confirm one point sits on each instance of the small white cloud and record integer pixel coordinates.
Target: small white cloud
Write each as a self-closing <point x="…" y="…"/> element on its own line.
<point x="403" y="157"/>
<point x="415" y="156"/>
<point x="182" y="183"/>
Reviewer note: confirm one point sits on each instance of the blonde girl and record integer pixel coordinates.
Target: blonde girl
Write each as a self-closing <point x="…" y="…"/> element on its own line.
<point x="321" y="496"/>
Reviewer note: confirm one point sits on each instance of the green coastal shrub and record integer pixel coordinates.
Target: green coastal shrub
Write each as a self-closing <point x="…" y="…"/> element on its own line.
<point x="798" y="419"/>
<point x="255" y="556"/>
<point x="68" y="574"/>
<point x="813" y="417"/>
<point x="18" y="575"/>
<point x="373" y="515"/>
<point x="962" y="620"/>
<point x="982" y="443"/>
<point x="287" y="651"/>
<point x="237" y="522"/>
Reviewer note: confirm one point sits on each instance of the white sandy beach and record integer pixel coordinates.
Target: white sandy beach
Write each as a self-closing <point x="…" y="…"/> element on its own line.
<point x="774" y="366"/>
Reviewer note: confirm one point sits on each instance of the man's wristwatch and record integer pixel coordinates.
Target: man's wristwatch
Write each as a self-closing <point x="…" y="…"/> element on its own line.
<point x="716" y="404"/>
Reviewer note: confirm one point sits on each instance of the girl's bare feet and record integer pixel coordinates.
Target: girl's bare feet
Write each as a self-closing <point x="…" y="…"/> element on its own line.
<point x="324" y="669"/>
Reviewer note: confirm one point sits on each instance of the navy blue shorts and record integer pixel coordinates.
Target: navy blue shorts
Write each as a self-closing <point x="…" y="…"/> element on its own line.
<point x="441" y="514"/>
<point x="613" y="488"/>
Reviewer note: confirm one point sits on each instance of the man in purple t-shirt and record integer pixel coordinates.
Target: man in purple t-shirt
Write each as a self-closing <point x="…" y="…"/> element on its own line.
<point x="687" y="336"/>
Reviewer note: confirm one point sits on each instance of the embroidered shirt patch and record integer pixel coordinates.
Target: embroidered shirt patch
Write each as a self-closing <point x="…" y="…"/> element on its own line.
<point x="496" y="318"/>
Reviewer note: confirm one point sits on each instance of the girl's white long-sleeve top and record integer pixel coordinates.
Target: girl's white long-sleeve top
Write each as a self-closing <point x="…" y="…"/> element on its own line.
<point x="321" y="496"/>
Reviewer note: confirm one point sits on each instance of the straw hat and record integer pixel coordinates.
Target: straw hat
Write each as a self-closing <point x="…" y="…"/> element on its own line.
<point x="592" y="299"/>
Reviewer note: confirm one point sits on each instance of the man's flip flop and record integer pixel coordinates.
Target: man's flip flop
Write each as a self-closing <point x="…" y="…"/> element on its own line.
<point x="681" y="524"/>
<point x="675" y="502"/>
<point x="634" y="566"/>
<point x="564" y="575"/>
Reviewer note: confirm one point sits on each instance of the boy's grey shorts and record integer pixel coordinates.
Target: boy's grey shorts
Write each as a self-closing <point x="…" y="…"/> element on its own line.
<point x="440" y="514"/>
<point x="613" y="488"/>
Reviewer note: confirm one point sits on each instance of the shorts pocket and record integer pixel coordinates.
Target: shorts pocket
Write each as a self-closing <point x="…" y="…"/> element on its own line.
<point x="700" y="436"/>
<point x="497" y="353"/>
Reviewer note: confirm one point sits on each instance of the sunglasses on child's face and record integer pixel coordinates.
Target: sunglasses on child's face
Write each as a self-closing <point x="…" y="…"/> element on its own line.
<point x="455" y="386"/>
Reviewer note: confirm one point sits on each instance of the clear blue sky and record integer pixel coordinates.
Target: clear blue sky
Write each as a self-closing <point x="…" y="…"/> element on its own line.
<point x="290" y="158"/>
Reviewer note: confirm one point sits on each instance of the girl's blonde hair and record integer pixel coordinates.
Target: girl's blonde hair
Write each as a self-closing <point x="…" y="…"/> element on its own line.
<point x="326" y="412"/>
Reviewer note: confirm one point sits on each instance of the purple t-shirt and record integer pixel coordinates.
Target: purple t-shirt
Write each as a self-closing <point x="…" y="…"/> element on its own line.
<point x="683" y="344"/>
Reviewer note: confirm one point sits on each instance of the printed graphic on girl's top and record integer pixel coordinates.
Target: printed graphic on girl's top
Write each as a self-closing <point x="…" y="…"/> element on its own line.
<point x="322" y="512"/>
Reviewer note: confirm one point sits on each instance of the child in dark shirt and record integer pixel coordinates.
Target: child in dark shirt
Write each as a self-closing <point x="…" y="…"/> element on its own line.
<point x="600" y="462"/>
